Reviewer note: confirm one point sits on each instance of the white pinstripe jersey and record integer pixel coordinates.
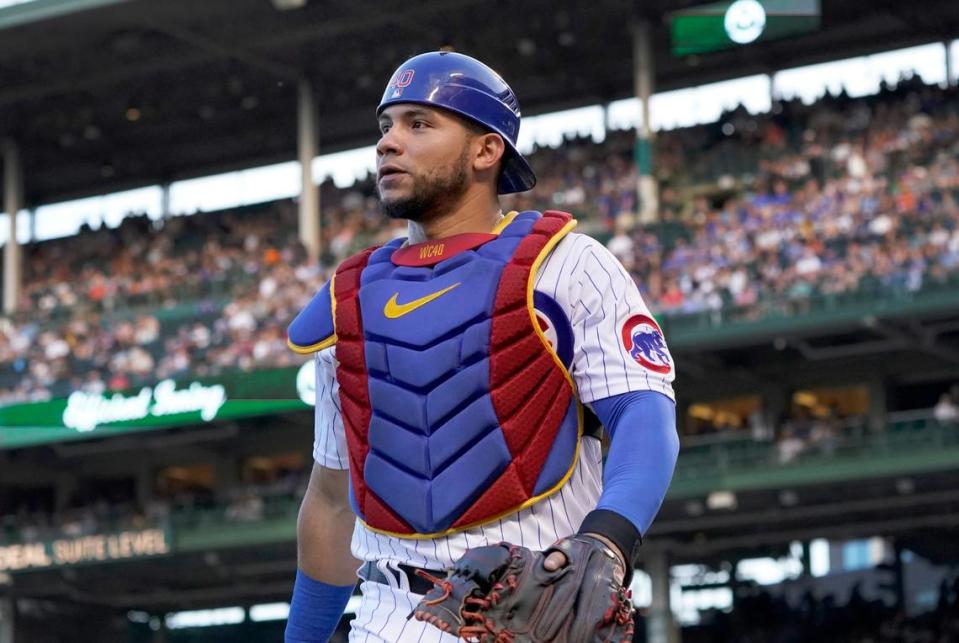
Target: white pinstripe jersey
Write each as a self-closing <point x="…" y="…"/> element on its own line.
<point x="598" y="298"/>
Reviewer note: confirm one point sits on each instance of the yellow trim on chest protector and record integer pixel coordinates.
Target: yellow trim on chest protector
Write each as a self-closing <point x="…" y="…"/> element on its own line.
<point x="329" y="341"/>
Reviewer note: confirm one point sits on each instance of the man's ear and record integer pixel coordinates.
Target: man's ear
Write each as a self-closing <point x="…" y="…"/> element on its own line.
<point x="489" y="150"/>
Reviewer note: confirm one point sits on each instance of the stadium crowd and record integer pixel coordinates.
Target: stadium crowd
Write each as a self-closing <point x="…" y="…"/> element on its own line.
<point x="845" y="196"/>
<point x="758" y="214"/>
<point x="198" y="296"/>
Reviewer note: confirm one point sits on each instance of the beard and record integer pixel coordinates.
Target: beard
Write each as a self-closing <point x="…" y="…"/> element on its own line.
<point x="432" y="194"/>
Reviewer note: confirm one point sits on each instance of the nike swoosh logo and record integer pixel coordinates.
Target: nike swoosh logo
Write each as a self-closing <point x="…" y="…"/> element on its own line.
<point x="394" y="310"/>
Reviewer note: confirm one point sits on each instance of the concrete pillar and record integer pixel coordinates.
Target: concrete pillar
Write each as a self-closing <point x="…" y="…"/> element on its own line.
<point x="7" y="614"/>
<point x="660" y="626"/>
<point x="776" y="403"/>
<point x="227" y="475"/>
<point x="12" y="203"/>
<point x="835" y="555"/>
<point x="308" y="149"/>
<point x="899" y="576"/>
<point x="159" y="629"/>
<point x="66" y="485"/>
<point x="806" y="559"/>
<point x="165" y="200"/>
<point x="144" y="484"/>
<point x="877" y="404"/>
<point x="644" y="77"/>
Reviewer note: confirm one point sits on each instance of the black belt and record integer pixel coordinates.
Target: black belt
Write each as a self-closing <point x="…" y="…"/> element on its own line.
<point x="417" y="584"/>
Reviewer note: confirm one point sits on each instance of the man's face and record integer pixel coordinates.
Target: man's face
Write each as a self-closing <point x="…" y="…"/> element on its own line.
<point x="422" y="161"/>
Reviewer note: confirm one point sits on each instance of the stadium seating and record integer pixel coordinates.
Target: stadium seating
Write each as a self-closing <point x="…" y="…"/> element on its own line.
<point x="807" y="209"/>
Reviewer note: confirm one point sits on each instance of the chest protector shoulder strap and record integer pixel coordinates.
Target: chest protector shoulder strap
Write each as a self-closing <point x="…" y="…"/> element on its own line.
<point x="457" y="409"/>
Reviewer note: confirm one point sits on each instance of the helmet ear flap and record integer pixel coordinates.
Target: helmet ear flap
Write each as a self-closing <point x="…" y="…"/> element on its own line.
<point x="468" y="87"/>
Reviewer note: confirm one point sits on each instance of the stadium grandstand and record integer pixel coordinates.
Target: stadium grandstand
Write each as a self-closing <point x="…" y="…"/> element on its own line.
<point x="181" y="177"/>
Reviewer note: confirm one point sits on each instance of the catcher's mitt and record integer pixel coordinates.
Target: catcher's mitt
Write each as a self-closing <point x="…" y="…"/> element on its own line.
<point x="503" y="594"/>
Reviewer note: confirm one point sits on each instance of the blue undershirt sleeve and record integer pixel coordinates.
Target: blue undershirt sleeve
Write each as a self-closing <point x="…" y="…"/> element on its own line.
<point x="315" y="610"/>
<point x="642" y="455"/>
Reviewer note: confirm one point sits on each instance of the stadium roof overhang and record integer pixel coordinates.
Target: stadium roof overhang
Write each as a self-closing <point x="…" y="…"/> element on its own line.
<point x="135" y="92"/>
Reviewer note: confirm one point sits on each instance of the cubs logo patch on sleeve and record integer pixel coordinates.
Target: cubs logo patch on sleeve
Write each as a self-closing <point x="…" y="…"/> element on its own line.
<point x="644" y="342"/>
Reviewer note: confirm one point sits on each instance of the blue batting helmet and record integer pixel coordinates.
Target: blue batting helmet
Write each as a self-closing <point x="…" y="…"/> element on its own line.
<point x="467" y="87"/>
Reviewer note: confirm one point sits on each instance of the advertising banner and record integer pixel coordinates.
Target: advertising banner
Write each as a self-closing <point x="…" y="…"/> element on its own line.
<point x="165" y="404"/>
<point x="79" y="550"/>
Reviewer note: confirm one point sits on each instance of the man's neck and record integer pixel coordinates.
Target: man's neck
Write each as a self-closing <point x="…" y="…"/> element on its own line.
<point x="471" y="215"/>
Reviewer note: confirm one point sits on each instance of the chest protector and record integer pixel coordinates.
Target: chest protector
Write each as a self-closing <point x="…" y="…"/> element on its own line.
<point x="456" y="408"/>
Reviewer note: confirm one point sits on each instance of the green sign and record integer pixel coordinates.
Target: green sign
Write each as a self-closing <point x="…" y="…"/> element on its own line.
<point x="723" y="25"/>
<point x="165" y="404"/>
<point x="79" y="550"/>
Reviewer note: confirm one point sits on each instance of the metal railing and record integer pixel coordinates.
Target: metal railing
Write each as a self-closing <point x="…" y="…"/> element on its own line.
<point x="811" y="310"/>
<point x="901" y="438"/>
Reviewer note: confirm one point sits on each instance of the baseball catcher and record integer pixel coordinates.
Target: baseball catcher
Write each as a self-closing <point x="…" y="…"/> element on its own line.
<point x="465" y="374"/>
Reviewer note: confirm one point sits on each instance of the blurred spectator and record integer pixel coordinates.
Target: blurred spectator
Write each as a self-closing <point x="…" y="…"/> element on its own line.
<point x="946" y="410"/>
<point x="247" y="507"/>
<point x="790" y="445"/>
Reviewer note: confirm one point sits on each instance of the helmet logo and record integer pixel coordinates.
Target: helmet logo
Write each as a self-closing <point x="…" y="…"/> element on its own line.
<point x="403" y="80"/>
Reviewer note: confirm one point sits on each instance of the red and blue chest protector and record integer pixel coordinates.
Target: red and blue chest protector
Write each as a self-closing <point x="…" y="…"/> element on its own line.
<point x="456" y="408"/>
